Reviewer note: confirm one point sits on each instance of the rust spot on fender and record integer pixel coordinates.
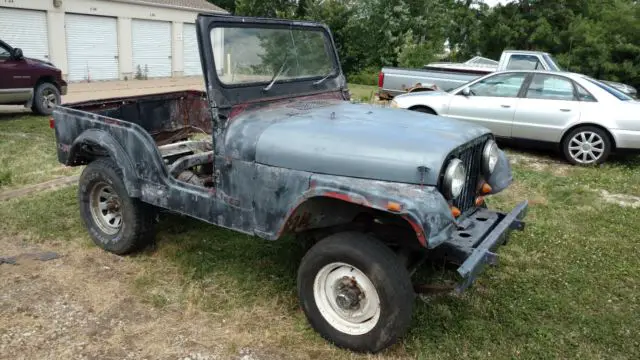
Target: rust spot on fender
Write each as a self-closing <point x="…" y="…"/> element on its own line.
<point x="418" y="230"/>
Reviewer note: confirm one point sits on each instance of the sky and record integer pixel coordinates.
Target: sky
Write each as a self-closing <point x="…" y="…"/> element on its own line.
<point x="494" y="2"/>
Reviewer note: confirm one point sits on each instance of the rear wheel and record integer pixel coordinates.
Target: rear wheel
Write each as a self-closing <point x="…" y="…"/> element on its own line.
<point x="45" y="97"/>
<point x="116" y="222"/>
<point x="355" y="292"/>
<point x="587" y="145"/>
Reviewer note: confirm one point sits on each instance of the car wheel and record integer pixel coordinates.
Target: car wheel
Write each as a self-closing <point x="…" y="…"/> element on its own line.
<point x="115" y="222"/>
<point x="587" y="145"/>
<point x="355" y="292"/>
<point x="45" y="98"/>
<point x="424" y="109"/>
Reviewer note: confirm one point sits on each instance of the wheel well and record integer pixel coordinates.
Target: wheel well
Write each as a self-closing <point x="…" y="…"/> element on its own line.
<point x="420" y="89"/>
<point x="46" y="79"/>
<point x="566" y="133"/>
<point x="416" y="107"/>
<point x="323" y="216"/>
<point x="85" y="152"/>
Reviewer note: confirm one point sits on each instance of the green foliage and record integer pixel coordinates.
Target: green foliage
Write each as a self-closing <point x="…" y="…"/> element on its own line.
<point x="365" y="77"/>
<point x="598" y="38"/>
<point x="412" y="54"/>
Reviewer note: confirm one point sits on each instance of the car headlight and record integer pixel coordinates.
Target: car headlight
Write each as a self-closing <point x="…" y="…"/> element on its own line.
<point x="490" y="157"/>
<point x="454" y="179"/>
<point x="394" y="104"/>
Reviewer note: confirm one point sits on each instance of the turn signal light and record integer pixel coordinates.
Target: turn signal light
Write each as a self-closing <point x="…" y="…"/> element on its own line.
<point x="394" y="206"/>
<point x="455" y="211"/>
<point x="486" y="189"/>
<point x="479" y="200"/>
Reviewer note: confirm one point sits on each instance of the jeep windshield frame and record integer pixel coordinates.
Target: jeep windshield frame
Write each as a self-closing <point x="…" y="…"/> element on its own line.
<point x="224" y="94"/>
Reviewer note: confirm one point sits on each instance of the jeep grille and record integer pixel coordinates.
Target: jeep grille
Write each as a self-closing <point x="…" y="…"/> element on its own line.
<point x="471" y="156"/>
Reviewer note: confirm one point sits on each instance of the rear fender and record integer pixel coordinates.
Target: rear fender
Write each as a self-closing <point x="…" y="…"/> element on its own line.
<point x="423" y="207"/>
<point x="113" y="149"/>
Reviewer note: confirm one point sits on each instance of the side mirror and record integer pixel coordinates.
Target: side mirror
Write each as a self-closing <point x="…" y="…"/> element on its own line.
<point x="17" y="54"/>
<point x="466" y="92"/>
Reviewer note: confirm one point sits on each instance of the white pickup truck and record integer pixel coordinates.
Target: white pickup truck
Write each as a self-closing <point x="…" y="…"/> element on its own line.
<point x="445" y="76"/>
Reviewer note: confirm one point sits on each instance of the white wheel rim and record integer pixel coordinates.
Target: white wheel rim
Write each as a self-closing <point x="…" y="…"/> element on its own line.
<point x="586" y="147"/>
<point x="346" y="298"/>
<point x="105" y="208"/>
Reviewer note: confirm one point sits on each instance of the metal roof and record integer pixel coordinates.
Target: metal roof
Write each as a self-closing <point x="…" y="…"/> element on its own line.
<point x="195" y="5"/>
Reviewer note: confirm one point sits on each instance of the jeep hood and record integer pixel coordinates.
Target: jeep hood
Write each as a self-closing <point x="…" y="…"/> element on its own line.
<point x="339" y="138"/>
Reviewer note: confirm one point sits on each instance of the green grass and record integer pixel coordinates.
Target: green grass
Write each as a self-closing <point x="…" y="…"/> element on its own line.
<point x="28" y="151"/>
<point x="362" y="93"/>
<point x="567" y="287"/>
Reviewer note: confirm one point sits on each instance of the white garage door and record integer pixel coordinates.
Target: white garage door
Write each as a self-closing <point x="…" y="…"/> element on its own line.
<point x="27" y="30"/>
<point x="191" y="55"/>
<point x="92" y="47"/>
<point x="151" y="47"/>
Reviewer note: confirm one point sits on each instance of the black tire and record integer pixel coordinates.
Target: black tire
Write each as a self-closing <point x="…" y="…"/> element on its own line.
<point x="136" y="225"/>
<point x="45" y="96"/>
<point x="383" y="269"/>
<point x="424" y="109"/>
<point x="604" y="148"/>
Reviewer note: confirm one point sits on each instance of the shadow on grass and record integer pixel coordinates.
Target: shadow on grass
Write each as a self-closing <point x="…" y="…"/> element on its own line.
<point x="553" y="155"/>
<point x="7" y="114"/>
<point x="255" y="270"/>
<point x="257" y="267"/>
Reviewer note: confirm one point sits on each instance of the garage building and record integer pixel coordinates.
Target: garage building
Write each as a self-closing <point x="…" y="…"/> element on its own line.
<point x="91" y="40"/>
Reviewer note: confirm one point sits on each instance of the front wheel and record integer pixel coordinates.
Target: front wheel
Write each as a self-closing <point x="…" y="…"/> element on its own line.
<point x="355" y="292"/>
<point x="45" y="98"/>
<point x="587" y="145"/>
<point x="116" y="222"/>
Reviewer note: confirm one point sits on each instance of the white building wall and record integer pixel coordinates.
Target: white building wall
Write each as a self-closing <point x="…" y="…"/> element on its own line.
<point x="57" y="39"/>
<point x="125" y="56"/>
<point x="119" y="9"/>
<point x="177" y="55"/>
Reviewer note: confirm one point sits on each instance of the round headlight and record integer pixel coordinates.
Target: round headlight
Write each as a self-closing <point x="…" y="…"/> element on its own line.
<point x="489" y="157"/>
<point x="454" y="179"/>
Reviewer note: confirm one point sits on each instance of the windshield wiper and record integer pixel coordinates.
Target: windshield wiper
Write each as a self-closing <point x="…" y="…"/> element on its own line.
<point x="315" y="83"/>
<point x="277" y="75"/>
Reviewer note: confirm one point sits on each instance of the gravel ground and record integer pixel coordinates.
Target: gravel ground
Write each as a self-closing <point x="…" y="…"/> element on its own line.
<point x="81" y="306"/>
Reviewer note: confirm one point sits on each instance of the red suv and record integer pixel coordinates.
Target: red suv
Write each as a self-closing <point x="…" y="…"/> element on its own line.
<point x="33" y="83"/>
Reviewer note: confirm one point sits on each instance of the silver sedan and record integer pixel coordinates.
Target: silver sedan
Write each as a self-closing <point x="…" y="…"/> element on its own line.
<point x="585" y="117"/>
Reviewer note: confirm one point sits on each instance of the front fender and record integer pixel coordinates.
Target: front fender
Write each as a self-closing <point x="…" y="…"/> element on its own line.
<point x="115" y="151"/>
<point x="423" y="207"/>
<point x="501" y="177"/>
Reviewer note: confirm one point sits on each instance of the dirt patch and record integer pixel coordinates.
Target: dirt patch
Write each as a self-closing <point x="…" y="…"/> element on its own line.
<point x="47" y="185"/>
<point x="540" y="163"/>
<point x="82" y="306"/>
<point x="621" y="199"/>
<point x="517" y="191"/>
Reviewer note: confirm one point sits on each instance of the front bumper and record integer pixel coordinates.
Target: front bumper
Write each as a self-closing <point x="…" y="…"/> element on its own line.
<point x="473" y="244"/>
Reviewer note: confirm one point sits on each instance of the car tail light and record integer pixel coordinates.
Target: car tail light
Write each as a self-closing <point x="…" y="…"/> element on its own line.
<point x="380" y="79"/>
<point x="52" y="123"/>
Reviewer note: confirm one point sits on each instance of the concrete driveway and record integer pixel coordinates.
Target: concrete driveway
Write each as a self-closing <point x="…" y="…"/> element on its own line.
<point x="108" y="89"/>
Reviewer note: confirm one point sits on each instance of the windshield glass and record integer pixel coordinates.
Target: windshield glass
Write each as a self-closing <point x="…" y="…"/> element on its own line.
<point x="617" y="93"/>
<point x="553" y="64"/>
<point x="246" y="55"/>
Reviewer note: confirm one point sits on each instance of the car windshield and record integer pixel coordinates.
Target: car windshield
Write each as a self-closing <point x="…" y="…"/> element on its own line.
<point x="611" y="90"/>
<point x="553" y="64"/>
<point x="249" y="55"/>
